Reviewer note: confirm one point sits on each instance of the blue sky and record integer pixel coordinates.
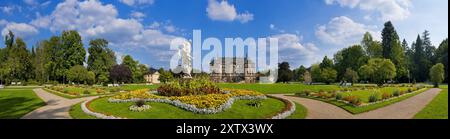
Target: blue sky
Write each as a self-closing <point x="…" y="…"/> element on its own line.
<point x="307" y="29"/>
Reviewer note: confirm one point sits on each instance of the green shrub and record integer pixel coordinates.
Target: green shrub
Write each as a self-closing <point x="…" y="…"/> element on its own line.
<point x="373" y="98"/>
<point x="66" y="91"/>
<point x="410" y="90"/>
<point x="255" y="103"/>
<point x="86" y="92"/>
<point x="396" y="93"/>
<point x="303" y="93"/>
<point x="338" y="96"/>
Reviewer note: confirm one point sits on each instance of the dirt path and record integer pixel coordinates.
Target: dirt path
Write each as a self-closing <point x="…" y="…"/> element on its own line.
<point x="405" y="109"/>
<point x="57" y="107"/>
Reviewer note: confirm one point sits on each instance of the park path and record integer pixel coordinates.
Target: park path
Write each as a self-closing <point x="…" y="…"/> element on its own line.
<point x="57" y="107"/>
<point x="405" y="109"/>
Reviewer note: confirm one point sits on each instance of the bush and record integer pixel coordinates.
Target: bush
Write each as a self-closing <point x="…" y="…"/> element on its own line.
<point x="255" y="103"/>
<point x="396" y="93"/>
<point x="140" y="103"/>
<point x="402" y="92"/>
<point x="100" y="91"/>
<point x="65" y="91"/>
<point x="356" y="101"/>
<point x="410" y="90"/>
<point x="86" y="92"/>
<point x="338" y="96"/>
<point x="373" y="98"/>
<point x="385" y="96"/>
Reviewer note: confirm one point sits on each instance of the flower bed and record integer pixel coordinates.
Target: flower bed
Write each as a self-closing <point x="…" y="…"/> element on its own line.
<point x="202" y="104"/>
<point x="287" y="111"/>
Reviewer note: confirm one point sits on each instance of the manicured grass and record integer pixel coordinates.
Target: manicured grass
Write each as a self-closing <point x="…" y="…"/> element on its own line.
<point x="356" y="110"/>
<point x="280" y="88"/>
<point x="300" y="112"/>
<point x="240" y="110"/>
<point x="364" y="94"/>
<point x="436" y="109"/>
<point x="76" y="113"/>
<point x="15" y="103"/>
<point x="138" y="87"/>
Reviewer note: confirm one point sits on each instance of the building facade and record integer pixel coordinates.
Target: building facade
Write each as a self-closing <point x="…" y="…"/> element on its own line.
<point x="152" y="77"/>
<point x="233" y="70"/>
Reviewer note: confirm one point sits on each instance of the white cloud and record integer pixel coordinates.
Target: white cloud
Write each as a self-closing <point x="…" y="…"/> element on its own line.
<point x="223" y="11"/>
<point x="3" y="22"/>
<point x="31" y="2"/>
<point x="137" y="2"/>
<point x="387" y="9"/>
<point x="9" y="9"/>
<point x="170" y="28"/>
<point x="272" y="26"/>
<point x="293" y="51"/>
<point x="20" y="29"/>
<point x="138" y="15"/>
<point x="343" y="31"/>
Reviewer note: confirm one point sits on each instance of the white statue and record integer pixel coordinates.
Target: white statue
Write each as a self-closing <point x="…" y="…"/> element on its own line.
<point x="186" y="58"/>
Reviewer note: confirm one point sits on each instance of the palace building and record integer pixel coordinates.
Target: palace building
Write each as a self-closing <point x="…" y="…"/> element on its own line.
<point x="233" y="70"/>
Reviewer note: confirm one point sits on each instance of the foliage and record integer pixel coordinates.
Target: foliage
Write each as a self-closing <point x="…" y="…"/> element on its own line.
<point x="328" y="75"/>
<point x="194" y="86"/>
<point x="77" y="74"/>
<point x="373" y="98"/>
<point x="379" y="70"/>
<point x="437" y="74"/>
<point x="120" y="73"/>
<point x="351" y="76"/>
<point x="101" y="59"/>
<point x="165" y="76"/>
<point x="284" y="72"/>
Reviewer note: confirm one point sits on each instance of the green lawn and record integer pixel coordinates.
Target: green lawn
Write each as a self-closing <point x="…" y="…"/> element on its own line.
<point x="300" y="112"/>
<point x="15" y="103"/>
<point x="438" y="108"/>
<point x="76" y="113"/>
<point x="239" y="110"/>
<point x="279" y="88"/>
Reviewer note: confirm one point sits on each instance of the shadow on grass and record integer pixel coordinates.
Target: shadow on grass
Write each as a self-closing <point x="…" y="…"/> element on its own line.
<point x="16" y="107"/>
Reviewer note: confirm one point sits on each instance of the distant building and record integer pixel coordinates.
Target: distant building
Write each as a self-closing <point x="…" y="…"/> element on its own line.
<point x="152" y="77"/>
<point x="241" y="70"/>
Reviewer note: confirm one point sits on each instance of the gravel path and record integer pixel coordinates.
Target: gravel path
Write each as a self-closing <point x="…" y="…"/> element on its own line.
<point x="405" y="109"/>
<point x="57" y="107"/>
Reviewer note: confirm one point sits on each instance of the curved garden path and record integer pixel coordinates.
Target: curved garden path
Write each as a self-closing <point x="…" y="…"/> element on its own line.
<point x="405" y="109"/>
<point x="57" y="107"/>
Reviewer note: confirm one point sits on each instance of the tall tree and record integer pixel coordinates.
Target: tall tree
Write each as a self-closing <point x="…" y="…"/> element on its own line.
<point x="133" y="66"/>
<point x="420" y="67"/>
<point x="120" y="74"/>
<point x="326" y="63"/>
<point x="74" y="52"/>
<point x="284" y="72"/>
<point x="299" y="73"/>
<point x="393" y="50"/>
<point x="101" y="59"/>
<point x="19" y="61"/>
<point x="442" y="56"/>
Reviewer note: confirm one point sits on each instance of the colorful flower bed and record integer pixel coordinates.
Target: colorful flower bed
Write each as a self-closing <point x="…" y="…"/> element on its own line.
<point x="203" y="104"/>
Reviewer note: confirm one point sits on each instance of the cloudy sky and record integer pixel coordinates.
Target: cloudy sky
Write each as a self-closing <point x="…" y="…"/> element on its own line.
<point x="307" y="29"/>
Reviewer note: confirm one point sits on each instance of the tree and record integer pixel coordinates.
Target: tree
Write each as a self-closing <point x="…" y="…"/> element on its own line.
<point x="442" y="56"/>
<point x="121" y="74"/>
<point x="78" y="74"/>
<point x="393" y="50"/>
<point x="74" y="52"/>
<point x="165" y="76"/>
<point x="326" y="63"/>
<point x="437" y="74"/>
<point x="420" y="66"/>
<point x="351" y="76"/>
<point x="284" y="72"/>
<point x="379" y="70"/>
<point x="352" y="57"/>
<point x="328" y="75"/>
<point x="19" y="61"/>
<point x="134" y="67"/>
<point x="299" y="73"/>
<point x="90" y="78"/>
<point x="372" y="48"/>
<point x="101" y="59"/>
<point x="316" y="73"/>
